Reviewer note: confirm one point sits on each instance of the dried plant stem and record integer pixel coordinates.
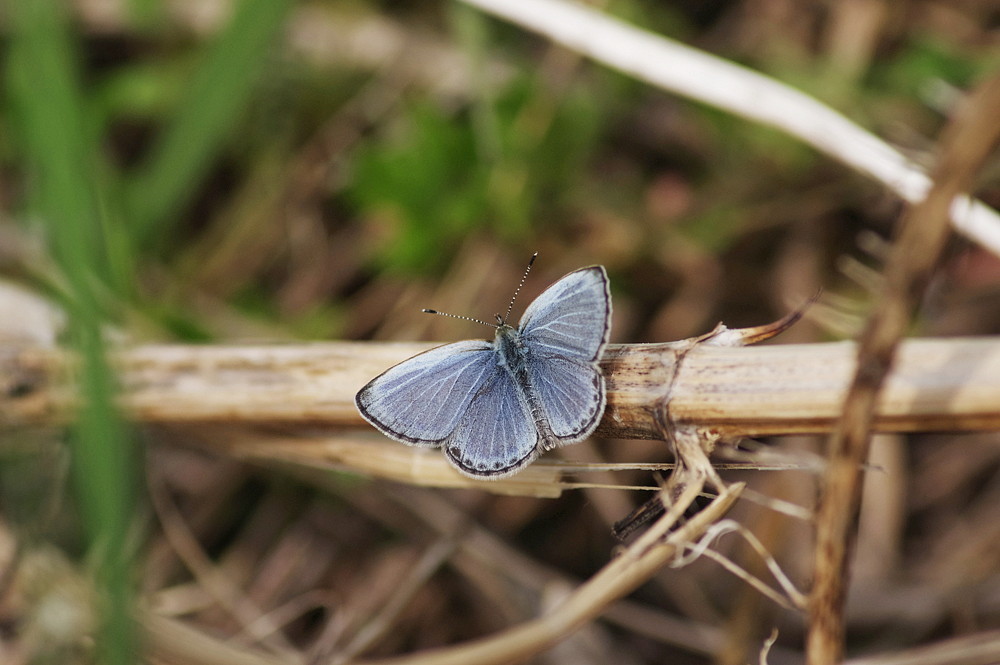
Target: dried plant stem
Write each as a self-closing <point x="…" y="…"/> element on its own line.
<point x="965" y="145"/>
<point x="944" y="384"/>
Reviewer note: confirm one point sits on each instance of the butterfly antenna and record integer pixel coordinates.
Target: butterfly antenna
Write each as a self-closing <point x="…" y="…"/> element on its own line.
<point x="518" y="289"/>
<point x="456" y="316"/>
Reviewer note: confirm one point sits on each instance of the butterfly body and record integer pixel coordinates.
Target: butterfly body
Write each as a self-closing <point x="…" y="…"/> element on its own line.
<point x="495" y="406"/>
<point x="512" y="356"/>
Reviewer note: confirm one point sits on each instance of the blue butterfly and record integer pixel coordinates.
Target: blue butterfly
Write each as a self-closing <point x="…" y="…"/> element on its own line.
<point x="495" y="406"/>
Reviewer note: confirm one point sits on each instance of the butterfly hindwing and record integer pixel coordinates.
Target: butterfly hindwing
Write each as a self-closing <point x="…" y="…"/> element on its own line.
<point x="422" y="400"/>
<point x="571" y="394"/>
<point x="496" y="436"/>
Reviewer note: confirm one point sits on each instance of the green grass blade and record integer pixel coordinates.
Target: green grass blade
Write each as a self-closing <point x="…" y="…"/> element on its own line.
<point x="45" y="91"/>
<point x="205" y="118"/>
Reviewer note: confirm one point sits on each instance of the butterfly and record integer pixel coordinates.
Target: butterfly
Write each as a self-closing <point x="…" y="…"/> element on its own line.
<point x="495" y="406"/>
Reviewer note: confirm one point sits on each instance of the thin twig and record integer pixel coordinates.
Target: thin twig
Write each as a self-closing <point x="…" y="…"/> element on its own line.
<point x="965" y="144"/>
<point x="792" y="598"/>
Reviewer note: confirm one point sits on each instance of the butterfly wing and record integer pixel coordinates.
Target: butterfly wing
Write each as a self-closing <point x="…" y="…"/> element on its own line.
<point x="496" y="436"/>
<point x="564" y="332"/>
<point x="572" y="318"/>
<point x="421" y="400"/>
<point x="571" y="395"/>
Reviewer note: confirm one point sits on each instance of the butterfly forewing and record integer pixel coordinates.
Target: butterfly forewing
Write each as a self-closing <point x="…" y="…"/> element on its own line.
<point x="423" y="399"/>
<point x="572" y="318"/>
<point x="496" y="436"/>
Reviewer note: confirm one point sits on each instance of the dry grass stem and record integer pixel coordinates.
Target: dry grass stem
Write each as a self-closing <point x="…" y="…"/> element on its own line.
<point x="792" y="598"/>
<point x="779" y="506"/>
<point x="370" y="455"/>
<point x="965" y="145"/>
<point x="941" y="384"/>
<point x="765" y="649"/>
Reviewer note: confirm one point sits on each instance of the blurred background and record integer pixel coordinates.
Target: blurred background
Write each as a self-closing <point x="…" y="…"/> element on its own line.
<point x="271" y="171"/>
